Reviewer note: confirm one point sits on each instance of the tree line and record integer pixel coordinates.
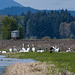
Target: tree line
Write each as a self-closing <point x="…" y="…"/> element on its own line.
<point x="54" y="24"/>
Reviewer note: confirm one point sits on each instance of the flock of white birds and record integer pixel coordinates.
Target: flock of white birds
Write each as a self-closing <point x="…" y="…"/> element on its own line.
<point x="55" y="49"/>
<point x="25" y="50"/>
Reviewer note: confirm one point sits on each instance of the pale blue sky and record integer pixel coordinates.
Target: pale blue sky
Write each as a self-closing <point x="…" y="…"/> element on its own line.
<point x="49" y="4"/>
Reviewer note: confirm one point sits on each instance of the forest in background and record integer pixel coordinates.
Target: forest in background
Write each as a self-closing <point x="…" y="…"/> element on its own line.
<point x="38" y="25"/>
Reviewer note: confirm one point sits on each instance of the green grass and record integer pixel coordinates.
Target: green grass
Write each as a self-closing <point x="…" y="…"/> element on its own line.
<point x="4" y="50"/>
<point x="61" y="60"/>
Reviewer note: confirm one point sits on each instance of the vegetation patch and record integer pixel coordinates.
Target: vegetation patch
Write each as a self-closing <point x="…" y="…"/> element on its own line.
<point x="63" y="61"/>
<point x="36" y="68"/>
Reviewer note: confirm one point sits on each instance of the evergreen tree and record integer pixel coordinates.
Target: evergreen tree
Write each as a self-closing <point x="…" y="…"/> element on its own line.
<point x="72" y="27"/>
<point x="22" y="14"/>
<point x="8" y="24"/>
<point x="21" y="32"/>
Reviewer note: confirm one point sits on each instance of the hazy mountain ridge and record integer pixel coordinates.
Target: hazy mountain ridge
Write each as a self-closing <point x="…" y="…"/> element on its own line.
<point x="15" y="10"/>
<point x="8" y="3"/>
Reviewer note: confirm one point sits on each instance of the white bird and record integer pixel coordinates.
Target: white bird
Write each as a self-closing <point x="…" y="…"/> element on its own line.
<point x="56" y="49"/>
<point x="24" y="50"/>
<point x="69" y="50"/>
<point x="33" y="49"/>
<point x="28" y="49"/>
<point x="3" y="52"/>
<point x="10" y="50"/>
<point x="15" y="49"/>
<point x="40" y="51"/>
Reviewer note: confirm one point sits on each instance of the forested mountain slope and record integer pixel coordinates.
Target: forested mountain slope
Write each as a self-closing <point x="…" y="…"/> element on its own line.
<point x="8" y="3"/>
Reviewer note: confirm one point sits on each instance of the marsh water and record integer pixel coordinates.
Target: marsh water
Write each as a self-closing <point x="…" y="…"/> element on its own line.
<point x="9" y="61"/>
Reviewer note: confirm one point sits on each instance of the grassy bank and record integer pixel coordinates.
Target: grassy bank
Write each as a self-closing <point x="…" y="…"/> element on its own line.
<point x="63" y="61"/>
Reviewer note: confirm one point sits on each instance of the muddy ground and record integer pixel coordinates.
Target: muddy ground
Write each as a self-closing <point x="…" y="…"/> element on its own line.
<point x="43" y="44"/>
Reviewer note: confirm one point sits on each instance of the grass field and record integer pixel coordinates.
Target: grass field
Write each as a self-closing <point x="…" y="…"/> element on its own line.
<point x="63" y="61"/>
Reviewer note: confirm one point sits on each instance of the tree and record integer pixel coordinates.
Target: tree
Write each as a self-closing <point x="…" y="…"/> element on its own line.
<point x="28" y="14"/>
<point x="21" y="20"/>
<point x="46" y="23"/>
<point x="64" y="30"/>
<point x="22" y="14"/>
<point x="8" y="24"/>
<point x="72" y="27"/>
<point x="21" y="32"/>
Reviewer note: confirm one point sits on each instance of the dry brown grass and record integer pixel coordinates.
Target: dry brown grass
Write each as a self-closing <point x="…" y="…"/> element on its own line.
<point x="36" y="68"/>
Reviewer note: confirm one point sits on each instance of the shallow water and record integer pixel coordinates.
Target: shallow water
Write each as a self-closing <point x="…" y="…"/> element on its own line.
<point x="9" y="61"/>
<point x="1" y="70"/>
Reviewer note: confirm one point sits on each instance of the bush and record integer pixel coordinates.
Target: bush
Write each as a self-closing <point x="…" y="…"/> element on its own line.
<point x="46" y="38"/>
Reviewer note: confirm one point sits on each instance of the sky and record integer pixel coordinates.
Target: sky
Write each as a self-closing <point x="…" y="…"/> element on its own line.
<point x="48" y="4"/>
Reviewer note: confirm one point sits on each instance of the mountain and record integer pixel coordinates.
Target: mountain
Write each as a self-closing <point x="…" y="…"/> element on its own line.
<point x="8" y="3"/>
<point x="16" y="10"/>
<point x="13" y="8"/>
<point x="72" y="13"/>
